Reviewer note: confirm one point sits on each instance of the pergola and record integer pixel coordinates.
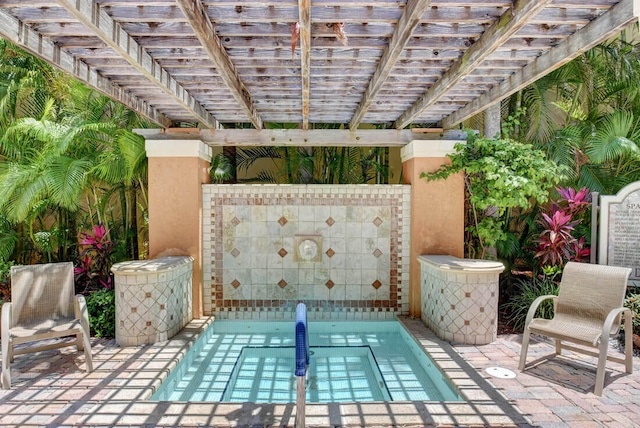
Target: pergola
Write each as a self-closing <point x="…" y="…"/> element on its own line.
<point x="224" y="65"/>
<point x="350" y="62"/>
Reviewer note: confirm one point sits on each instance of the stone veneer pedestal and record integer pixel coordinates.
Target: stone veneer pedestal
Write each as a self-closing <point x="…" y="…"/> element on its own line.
<point x="153" y="299"/>
<point x="459" y="298"/>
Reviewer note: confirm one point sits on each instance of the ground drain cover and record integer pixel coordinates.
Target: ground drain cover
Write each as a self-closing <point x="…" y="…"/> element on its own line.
<point x="500" y="372"/>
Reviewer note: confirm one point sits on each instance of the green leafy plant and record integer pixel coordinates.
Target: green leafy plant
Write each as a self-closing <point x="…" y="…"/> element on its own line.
<point x="529" y="289"/>
<point x="632" y="301"/>
<point x="5" y="281"/>
<point x="500" y="175"/>
<point x="101" y="306"/>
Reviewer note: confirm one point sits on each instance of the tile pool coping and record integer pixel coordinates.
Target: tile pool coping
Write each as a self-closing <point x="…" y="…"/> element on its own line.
<point x="116" y="393"/>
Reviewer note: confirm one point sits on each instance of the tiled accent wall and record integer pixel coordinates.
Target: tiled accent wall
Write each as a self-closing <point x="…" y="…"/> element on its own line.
<point x="153" y="299"/>
<point x="459" y="298"/>
<point x="358" y="261"/>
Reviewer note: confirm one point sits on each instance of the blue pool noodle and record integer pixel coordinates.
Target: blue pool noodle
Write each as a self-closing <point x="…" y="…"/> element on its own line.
<point x="302" y="340"/>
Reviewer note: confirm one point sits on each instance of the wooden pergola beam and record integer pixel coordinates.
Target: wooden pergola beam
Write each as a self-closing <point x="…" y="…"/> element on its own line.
<point x="22" y="35"/>
<point x="406" y="25"/>
<point x="197" y="17"/>
<point x="582" y="40"/>
<point x="304" y="21"/>
<point x="496" y="35"/>
<point x="111" y="33"/>
<point x="303" y="138"/>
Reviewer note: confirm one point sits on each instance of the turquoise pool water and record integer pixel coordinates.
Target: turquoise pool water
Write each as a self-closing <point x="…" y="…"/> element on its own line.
<point x="248" y="361"/>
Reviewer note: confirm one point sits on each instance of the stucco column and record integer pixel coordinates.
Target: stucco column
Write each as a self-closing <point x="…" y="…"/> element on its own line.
<point x="177" y="170"/>
<point x="437" y="209"/>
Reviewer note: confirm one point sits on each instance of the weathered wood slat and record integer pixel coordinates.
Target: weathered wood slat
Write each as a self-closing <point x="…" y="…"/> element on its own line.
<point x="304" y="27"/>
<point x="197" y="17"/>
<point x="325" y="137"/>
<point x="497" y="35"/>
<point x="256" y="38"/>
<point x="90" y="15"/>
<point x="404" y="29"/>
<point x="625" y="12"/>
<point x="19" y="34"/>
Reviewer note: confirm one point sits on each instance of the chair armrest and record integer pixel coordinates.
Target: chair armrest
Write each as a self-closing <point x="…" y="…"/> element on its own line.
<point x="5" y="320"/>
<point x="608" y="322"/>
<point x="534" y="307"/>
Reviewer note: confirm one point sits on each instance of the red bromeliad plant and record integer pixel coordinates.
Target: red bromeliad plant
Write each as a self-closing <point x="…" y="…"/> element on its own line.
<point x="95" y="260"/>
<point x="557" y="243"/>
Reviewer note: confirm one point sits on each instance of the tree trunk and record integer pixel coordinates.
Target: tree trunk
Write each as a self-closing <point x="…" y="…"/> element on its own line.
<point x="133" y="230"/>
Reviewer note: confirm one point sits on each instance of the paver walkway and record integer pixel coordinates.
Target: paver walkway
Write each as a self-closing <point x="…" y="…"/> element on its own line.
<point x="558" y="391"/>
<point x="52" y="390"/>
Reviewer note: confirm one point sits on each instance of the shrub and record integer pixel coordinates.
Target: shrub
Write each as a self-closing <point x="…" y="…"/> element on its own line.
<point x="557" y="243"/>
<point x="101" y="305"/>
<point x="632" y="301"/>
<point x="5" y="281"/>
<point x="529" y="289"/>
<point x="500" y="175"/>
<point x="93" y="269"/>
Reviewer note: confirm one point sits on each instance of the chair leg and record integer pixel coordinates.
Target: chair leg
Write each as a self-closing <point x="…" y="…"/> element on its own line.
<point x="87" y="353"/>
<point x="558" y="346"/>
<point x="6" y="360"/>
<point x="602" y="361"/>
<point x="80" y="342"/>
<point x="524" y="349"/>
<point x="628" y="343"/>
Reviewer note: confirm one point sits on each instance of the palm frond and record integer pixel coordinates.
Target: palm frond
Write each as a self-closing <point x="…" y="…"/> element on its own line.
<point x="610" y="141"/>
<point x="246" y="157"/>
<point x="65" y="180"/>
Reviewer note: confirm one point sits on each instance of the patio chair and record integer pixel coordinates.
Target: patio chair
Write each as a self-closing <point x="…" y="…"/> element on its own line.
<point x="587" y="311"/>
<point x="43" y="307"/>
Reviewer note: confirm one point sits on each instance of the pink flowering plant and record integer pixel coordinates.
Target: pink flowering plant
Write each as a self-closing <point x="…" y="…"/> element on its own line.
<point x="93" y="270"/>
<point x="557" y="243"/>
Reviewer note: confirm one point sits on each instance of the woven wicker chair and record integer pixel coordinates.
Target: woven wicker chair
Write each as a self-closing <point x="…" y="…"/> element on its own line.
<point x="588" y="310"/>
<point x="42" y="307"/>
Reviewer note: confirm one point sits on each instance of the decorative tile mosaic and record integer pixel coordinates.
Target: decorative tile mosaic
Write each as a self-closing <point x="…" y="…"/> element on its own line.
<point x="459" y="305"/>
<point x="153" y="299"/>
<point x="362" y="259"/>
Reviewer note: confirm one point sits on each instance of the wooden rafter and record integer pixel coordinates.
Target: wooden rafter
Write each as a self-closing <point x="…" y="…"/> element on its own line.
<point x="582" y="40"/>
<point x="304" y="21"/>
<point x="111" y="33"/>
<point x="406" y="26"/>
<point x="197" y="16"/>
<point x="508" y="24"/>
<point x="21" y="35"/>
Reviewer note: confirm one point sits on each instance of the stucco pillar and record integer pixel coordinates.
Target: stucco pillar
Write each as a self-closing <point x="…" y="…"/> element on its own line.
<point x="177" y="170"/>
<point x="437" y="209"/>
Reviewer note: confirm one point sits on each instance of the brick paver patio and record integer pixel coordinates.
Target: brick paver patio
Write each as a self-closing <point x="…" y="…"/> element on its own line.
<point x="51" y="389"/>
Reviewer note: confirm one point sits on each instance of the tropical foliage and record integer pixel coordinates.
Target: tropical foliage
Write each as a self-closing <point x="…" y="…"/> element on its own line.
<point x="317" y="165"/>
<point x="586" y="117"/>
<point x="500" y="175"/>
<point x="529" y="289"/>
<point x="557" y="243"/>
<point x="68" y="161"/>
<point x="101" y="305"/>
